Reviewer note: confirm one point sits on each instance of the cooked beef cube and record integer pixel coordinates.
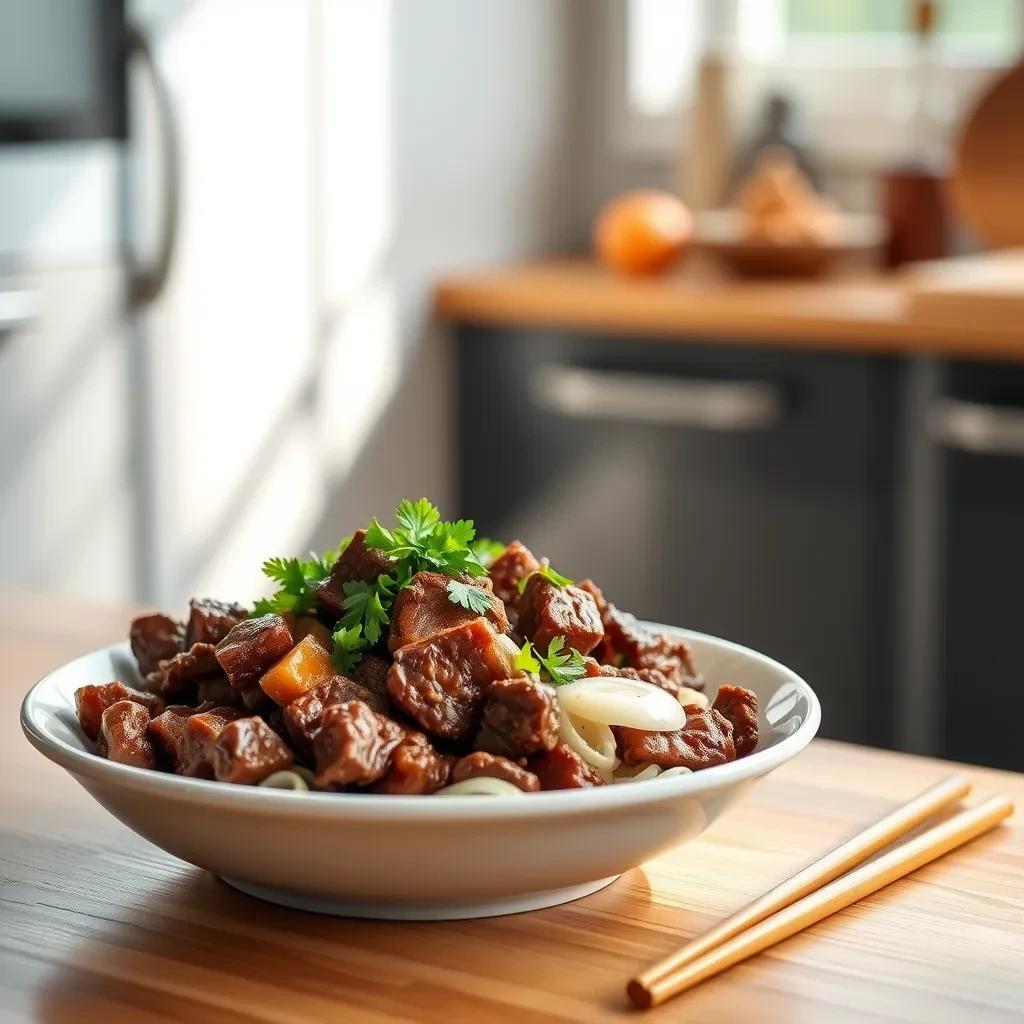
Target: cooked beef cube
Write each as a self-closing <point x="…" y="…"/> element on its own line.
<point x="154" y="638"/>
<point x="515" y="563"/>
<point x="209" y="621"/>
<point x="200" y="734"/>
<point x="547" y="610"/>
<point x="739" y="707"/>
<point x="563" y="768"/>
<point x="595" y="592"/>
<point x="255" y="701"/>
<point x="628" y="642"/>
<point x="644" y="675"/>
<point x="372" y="672"/>
<point x="302" y="716"/>
<point x="704" y="741"/>
<point x="251" y="647"/>
<point x="356" y="562"/>
<point x="424" y="609"/>
<point x="308" y="625"/>
<point x="487" y="766"/>
<point x="123" y="735"/>
<point x="247" y="751"/>
<point x="416" y="768"/>
<point x="167" y="731"/>
<point x="520" y="718"/>
<point x="184" y="670"/>
<point x="217" y="690"/>
<point x="354" y="745"/>
<point x="439" y="682"/>
<point x="92" y="701"/>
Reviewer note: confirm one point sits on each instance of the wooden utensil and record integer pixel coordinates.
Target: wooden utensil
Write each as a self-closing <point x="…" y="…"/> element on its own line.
<point x="714" y="953"/>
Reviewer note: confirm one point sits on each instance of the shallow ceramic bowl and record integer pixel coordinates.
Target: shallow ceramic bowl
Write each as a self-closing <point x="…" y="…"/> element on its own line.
<point x="415" y="857"/>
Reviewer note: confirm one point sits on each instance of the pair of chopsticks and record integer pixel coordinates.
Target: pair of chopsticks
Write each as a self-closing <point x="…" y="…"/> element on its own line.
<point x="818" y="890"/>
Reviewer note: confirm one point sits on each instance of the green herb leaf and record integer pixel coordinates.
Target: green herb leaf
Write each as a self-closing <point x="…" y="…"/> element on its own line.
<point x="416" y="518"/>
<point x="364" y="608"/>
<point x="561" y="667"/>
<point x="525" y="661"/>
<point x="349" y="644"/>
<point x="472" y="598"/>
<point x="487" y="550"/>
<point x="296" y="580"/>
<point x="549" y="574"/>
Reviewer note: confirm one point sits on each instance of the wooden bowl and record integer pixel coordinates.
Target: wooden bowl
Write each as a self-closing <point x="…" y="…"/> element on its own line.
<point x="720" y="233"/>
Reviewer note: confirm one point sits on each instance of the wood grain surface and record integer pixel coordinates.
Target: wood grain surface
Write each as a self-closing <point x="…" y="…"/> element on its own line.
<point x="98" y="926"/>
<point x="861" y="312"/>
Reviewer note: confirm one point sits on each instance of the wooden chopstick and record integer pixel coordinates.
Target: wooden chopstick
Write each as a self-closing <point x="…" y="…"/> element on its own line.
<point x="656" y="986"/>
<point x="835" y="863"/>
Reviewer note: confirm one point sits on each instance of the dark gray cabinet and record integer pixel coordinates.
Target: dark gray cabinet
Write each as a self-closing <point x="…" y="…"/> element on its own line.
<point x="743" y="492"/>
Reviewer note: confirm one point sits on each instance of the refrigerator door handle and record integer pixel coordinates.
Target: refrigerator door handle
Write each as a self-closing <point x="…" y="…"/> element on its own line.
<point x="975" y="427"/>
<point x="147" y="282"/>
<point x="720" y="406"/>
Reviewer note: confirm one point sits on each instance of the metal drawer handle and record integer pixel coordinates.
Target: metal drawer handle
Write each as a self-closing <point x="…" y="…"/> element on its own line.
<point x="973" y="427"/>
<point x="612" y="396"/>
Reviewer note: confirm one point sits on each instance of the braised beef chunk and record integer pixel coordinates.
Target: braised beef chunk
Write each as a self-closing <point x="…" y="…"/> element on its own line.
<point x="209" y="621"/>
<point x="217" y="690"/>
<point x="200" y="734"/>
<point x="439" y="682"/>
<point x="254" y="700"/>
<point x="167" y="731"/>
<point x="704" y="741"/>
<point x="483" y="765"/>
<point x="739" y="707"/>
<point x="644" y="675"/>
<point x="302" y="716"/>
<point x="424" y="608"/>
<point x="251" y="647"/>
<point x="184" y="670"/>
<point x="92" y="701"/>
<point x="354" y="745"/>
<point x="595" y="592"/>
<point x="154" y="638"/>
<point x="629" y="643"/>
<point x="123" y="735"/>
<point x="547" y="610"/>
<point x="247" y="751"/>
<point x="356" y="562"/>
<point x="515" y="563"/>
<point x="563" y="768"/>
<point x="372" y="672"/>
<point x="520" y="718"/>
<point x="416" y="768"/>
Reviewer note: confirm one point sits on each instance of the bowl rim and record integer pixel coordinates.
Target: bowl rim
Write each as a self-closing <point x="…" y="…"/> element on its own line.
<point x="380" y="806"/>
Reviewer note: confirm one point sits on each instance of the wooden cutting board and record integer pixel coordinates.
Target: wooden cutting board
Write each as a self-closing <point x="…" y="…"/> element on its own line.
<point x="983" y="290"/>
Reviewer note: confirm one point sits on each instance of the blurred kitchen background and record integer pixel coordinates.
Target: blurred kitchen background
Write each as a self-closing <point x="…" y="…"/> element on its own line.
<point x="255" y="287"/>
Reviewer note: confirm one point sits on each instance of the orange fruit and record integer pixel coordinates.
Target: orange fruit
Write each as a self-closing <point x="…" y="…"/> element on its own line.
<point x="642" y="232"/>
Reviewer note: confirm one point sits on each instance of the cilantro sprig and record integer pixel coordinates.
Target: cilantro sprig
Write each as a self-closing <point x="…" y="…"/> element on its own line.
<point x="474" y="599"/>
<point x="560" y="665"/>
<point x="296" y="580"/>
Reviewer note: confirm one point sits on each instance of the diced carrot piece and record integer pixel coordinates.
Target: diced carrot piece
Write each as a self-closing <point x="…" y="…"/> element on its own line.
<point x="305" y="665"/>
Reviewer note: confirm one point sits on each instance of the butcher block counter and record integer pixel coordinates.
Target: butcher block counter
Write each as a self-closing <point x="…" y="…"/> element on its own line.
<point x="857" y="311"/>
<point x="98" y="926"/>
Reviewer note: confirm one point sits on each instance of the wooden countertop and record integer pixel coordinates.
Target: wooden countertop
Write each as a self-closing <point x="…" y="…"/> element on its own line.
<point x="860" y="312"/>
<point x="98" y="926"/>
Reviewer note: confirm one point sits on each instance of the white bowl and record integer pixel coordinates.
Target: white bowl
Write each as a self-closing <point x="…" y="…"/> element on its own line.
<point x="414" y="857"/>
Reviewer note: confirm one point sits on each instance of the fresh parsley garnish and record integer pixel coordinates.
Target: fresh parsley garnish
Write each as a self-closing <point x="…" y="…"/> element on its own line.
<point x="560" y="665"/>
<point x="472" y="598"/>
<point x="549" y="574"/>
<point x="296" y="580"/>
<point x="487" y="550"/>
<point x="364" y="606"/>
<point x="348" y="648"/>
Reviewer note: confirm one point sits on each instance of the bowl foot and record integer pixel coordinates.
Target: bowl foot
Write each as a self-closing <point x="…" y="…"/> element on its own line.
<point x="418" y="911"/>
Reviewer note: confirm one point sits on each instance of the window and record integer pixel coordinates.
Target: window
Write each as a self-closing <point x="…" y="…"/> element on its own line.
<point x="847" y="64"/>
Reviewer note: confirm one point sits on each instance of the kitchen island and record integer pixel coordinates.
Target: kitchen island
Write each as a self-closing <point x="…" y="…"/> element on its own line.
<point x="96" y="925"/>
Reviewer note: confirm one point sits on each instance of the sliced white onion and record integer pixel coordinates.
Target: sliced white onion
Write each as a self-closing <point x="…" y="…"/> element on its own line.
<point x="510" y="652"/>
<point x="295" y="779"/>
<point x="480" y="786"/>
<point x="628" y="702"/>
<point x="641" y="774"/>
<point x="688" y="696"/>
<point x="594" y="742"/>
<point x="671" y="773"/>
